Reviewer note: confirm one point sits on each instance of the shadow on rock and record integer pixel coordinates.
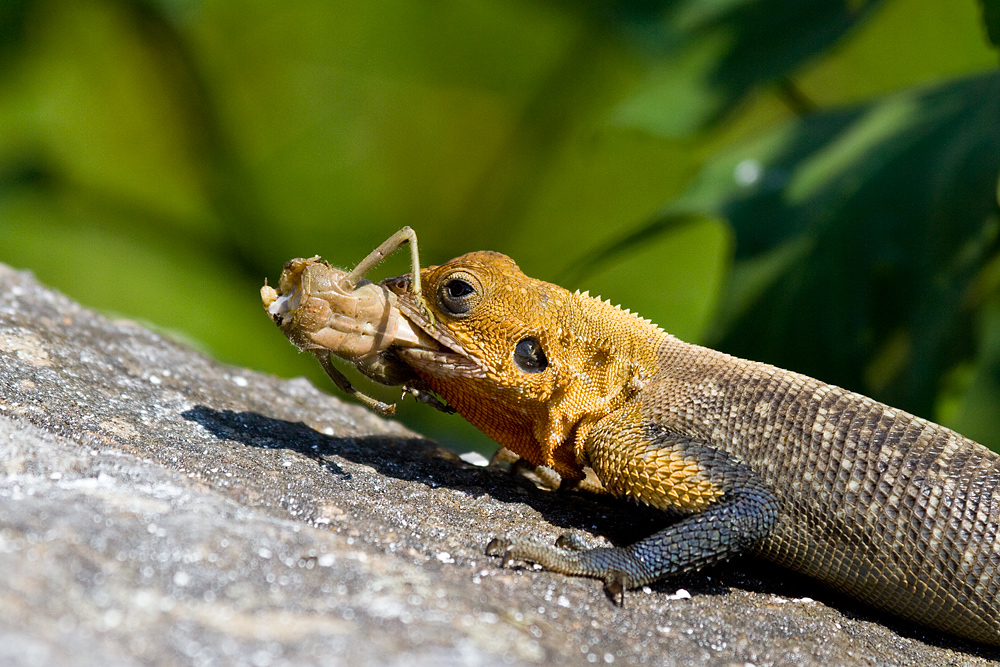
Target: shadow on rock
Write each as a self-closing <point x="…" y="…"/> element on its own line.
<point x="622" y="522"/>
<point x="421" y="460"/>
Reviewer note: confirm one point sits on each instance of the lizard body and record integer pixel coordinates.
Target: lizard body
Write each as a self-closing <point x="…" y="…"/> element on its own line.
<point x="889" y="508"/>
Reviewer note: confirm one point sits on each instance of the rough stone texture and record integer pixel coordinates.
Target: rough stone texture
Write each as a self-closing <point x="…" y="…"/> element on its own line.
<point x="157" y="507"/>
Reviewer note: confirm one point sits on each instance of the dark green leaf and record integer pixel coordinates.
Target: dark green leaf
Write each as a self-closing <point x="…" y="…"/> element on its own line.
<point x="13" y="15"/>
<point x="975" y="414"/>
<point x="861" y="239"/>
<point x="712" y="54"/>
<point x="991" y="20"/>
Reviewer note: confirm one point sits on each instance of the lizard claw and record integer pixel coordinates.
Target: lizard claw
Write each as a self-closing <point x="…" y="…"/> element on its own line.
<point x="571" y="541"/>
<point x="427" y="398"/>
<point x="500" y="546"/>
<point x="615" y="584"/>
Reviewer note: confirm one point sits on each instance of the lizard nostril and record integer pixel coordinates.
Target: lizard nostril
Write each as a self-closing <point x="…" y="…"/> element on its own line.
<point x="529" y="356"/>
<point x="398" y="285"/>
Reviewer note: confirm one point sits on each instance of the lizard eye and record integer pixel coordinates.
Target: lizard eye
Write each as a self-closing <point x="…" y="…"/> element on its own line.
<point x="458" y="294"/>
<point x="529" y="356"/>
<point x="457" y="288"/>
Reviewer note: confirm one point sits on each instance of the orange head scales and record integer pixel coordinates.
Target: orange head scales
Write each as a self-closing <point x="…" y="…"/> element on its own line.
<point x="529" y="363"/>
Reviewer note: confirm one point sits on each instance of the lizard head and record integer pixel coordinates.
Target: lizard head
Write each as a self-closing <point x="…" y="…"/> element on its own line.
<point x="483" y="308"/>
<point x="527" y="362"/>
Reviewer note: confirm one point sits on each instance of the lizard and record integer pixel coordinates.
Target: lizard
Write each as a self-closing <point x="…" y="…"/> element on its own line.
<point x="889" y="508"/>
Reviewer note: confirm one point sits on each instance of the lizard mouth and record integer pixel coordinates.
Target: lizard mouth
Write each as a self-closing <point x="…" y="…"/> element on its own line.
<point x="449" y="358"/>
<point x="316" y="312"/>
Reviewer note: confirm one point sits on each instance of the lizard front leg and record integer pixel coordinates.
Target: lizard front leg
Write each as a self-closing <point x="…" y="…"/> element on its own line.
<point x="727" y="508"/>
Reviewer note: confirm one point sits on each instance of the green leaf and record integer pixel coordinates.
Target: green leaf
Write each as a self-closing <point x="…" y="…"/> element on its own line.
<point x="975" y="403"/>
<point x="710" y="55"/>
<point x="860" y="237"/>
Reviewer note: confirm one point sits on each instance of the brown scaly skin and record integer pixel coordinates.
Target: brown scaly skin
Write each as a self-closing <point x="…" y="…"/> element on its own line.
<point x="889" y="508"/>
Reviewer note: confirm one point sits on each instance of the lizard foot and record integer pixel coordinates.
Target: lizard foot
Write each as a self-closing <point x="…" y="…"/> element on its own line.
<point x="569" y="556"/>
<point x="500" y="546"/>
<point x="615" y="585"/>
<point x="572" y="541"/>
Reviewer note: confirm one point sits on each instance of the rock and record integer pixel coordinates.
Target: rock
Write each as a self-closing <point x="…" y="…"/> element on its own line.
<point x="158" y="507"/>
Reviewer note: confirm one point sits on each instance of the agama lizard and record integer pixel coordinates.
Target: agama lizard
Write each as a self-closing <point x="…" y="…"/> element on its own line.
<point x="887" y="507"/>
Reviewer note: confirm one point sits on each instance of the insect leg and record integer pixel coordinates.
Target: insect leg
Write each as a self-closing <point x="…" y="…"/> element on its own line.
<point x="345" y="385"/>
<point x="389" y="246"/>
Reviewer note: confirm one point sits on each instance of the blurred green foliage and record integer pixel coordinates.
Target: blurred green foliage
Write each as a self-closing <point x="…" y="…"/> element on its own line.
<point x="812" y="184"/>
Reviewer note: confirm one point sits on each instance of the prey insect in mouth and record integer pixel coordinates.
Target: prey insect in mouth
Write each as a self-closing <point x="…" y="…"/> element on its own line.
<point x="332" y="312"/>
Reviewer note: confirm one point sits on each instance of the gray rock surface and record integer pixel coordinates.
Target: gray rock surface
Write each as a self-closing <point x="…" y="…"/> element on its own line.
<point x="160" y="508"/>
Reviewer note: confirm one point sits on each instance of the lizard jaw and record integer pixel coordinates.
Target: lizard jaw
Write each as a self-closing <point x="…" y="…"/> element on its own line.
<point x="447" y="359"/>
